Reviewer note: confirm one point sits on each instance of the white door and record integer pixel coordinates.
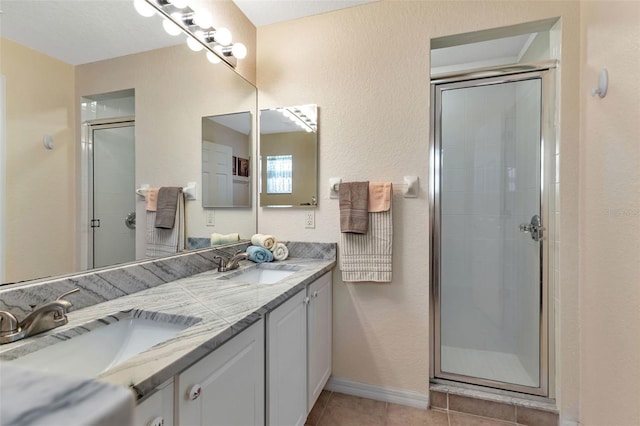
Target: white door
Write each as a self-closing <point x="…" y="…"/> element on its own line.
<point x="226" y="388"/>
<point x="217" y="175"/>
<point x="319" y="336"/>
<point x="287" y="362"/>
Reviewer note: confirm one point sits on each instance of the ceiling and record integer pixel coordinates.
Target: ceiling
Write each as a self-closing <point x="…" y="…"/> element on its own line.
<point x="70" y="30"/>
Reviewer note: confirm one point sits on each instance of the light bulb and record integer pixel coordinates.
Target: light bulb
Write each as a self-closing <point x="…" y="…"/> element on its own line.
<point x="193" y="43"/>
<point x="213" y="58"/>
<point x="144" y="8"/>
<point x="202" y="18"/>
<point x="180" y="4"/>
<point x="239" y="50"/>
<point x="171" y="27"/>
<point x="223" y="36"/>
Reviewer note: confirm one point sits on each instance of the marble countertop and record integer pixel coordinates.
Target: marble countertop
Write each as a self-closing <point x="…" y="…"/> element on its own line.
<point x="218" y="305"/>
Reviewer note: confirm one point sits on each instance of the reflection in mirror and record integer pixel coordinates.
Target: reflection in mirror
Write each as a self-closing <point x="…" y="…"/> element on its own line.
<point x="289" y="156"/>
<point x="226" y="160"/>
<point x="46" y="192"/>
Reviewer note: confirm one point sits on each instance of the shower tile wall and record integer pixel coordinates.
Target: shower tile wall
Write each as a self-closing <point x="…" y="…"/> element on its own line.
<point x="484" y="181"/>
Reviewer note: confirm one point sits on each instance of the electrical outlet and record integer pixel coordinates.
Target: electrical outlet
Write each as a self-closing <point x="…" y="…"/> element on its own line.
<point x="310" y="219"/>
<point x="211" y="218"/>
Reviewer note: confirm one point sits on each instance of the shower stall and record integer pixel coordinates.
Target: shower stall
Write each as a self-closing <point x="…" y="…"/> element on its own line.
<point x="492" y="159"/>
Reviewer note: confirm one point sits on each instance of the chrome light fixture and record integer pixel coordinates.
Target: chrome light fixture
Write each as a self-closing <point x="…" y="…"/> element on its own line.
<point x="196" y="25"/>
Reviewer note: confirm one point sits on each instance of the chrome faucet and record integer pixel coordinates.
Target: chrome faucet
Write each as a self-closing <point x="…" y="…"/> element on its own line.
<point x="231" y="263"/>
<point x="43" y="318"/>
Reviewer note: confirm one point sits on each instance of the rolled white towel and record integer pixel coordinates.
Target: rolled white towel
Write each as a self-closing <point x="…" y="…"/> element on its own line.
<point x="280" y="251"/>
<point x="218" y="239"/>
<point x="266" y="241"/>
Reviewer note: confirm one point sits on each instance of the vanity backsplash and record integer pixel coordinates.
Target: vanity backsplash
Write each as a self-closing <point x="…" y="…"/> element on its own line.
<point x="101" y="285"/>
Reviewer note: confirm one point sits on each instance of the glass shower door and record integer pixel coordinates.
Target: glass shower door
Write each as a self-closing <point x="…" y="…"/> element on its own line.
<point x="113" y="222"/>
<point x="489" y="233"/>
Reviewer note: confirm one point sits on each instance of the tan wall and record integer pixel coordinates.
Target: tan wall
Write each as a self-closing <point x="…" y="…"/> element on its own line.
<point x="368" y="70"/>
<point x="610" y="215"/>
<point x="40" y="195"/>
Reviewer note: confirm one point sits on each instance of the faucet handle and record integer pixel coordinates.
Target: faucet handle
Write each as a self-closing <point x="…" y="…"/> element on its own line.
<point x="75" y="290"/>
<point x="8" y="323"/>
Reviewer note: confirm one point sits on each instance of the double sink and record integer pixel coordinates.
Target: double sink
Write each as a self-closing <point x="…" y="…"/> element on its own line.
<point x="91" y="353"/>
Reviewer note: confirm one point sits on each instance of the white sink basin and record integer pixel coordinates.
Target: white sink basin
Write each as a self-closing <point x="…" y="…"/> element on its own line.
<point x="261" y="275"/>
<point x="90" y="354"/>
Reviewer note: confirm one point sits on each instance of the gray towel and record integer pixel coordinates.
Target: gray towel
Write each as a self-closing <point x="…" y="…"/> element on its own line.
<point x="354" y="205"/>
<point x="161" y="241"/>
<point x="167" y="205"/>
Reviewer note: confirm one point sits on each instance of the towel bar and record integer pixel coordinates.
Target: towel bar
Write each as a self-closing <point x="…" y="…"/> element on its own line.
<point x="409" y="187"/>
<point x="190" y="190"/>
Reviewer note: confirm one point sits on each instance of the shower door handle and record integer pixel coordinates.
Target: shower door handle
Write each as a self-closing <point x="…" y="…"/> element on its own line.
<point x="534" y="228"/>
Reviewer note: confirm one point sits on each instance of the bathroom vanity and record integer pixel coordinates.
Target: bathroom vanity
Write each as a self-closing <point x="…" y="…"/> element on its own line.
<point x="242" y="332"/>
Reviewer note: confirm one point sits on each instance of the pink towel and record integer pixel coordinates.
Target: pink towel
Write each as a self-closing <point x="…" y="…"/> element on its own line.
<point x="152" y="199"/>
<point x="379" y="196"/>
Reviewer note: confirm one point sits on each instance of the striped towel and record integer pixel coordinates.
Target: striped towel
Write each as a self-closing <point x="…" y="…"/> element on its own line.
<point x="161" y="241"/>
<point x="368" y="257"/>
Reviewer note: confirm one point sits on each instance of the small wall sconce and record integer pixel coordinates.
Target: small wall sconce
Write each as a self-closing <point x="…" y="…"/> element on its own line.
<point x="603" y="84"/>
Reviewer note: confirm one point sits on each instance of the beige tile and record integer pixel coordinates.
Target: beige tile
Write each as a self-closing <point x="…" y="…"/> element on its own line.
<point x="493" y="410"/>
<point x="460" y="419"/>
<point x="532" y="417"/>
<point x="400" y="415"/>
<point x="438" y="399"/>
<point x="347" y="410"/>
<point x="318" y="408"/>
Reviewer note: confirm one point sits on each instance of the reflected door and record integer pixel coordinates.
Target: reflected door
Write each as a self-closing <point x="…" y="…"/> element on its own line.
<point x="217" y="177"/>
<point x="114" y="206"/>
<point x="490" y="241"/>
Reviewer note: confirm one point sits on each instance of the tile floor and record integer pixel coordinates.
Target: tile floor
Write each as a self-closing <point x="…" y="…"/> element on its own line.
<point x="337" y="409"/>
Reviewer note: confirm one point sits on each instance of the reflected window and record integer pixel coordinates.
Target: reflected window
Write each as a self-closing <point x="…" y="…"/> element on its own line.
<point x="279" y="176"/>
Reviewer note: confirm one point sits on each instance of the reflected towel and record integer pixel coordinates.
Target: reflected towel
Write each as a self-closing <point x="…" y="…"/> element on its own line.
<point x="259" y="254"/>
<point x="152" y="199"/>
<point x="266" y="241"/>
<point x="161" y="241"/>
<point x="280" y="251"/>
<point x="379" y="196"/>
<point x="354" y="203"/>
<point x="219" y="239"/>
<point x="167" y="205"/>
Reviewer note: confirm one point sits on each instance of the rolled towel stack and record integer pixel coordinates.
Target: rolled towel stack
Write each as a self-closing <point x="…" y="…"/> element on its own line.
<point x="259" y="254"/>
<point x="266" y="241"/>
<point x="280" y="251"/>
<point x="219" y="239"/>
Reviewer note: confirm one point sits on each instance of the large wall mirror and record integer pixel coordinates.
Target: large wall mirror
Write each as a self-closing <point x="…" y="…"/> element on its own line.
<point x="226" y="160"/>
<point x="168" y="90"/>
<point x="289" y="156"/>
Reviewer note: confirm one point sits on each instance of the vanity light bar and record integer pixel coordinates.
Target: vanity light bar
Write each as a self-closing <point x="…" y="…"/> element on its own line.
<point x="299" y="118"/>
<point x="197" y="27"/>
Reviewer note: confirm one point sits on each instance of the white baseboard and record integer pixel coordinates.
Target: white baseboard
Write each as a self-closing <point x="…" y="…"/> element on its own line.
<point x="379" y="393"/>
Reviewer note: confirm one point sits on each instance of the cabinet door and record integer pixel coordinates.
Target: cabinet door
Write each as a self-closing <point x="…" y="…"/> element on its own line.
<point x="157" y="410"/>
<point x="287" y="362"/>
<point x="319" y="336"/>
<point x="226" y="388"/>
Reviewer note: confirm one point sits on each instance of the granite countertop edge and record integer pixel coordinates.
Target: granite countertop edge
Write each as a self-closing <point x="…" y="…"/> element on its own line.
<point x="222" y="306"/>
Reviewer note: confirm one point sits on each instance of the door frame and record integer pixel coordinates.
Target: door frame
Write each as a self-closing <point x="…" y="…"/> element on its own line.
<point x="88" y="128"/>
<point x="545" y="71"/>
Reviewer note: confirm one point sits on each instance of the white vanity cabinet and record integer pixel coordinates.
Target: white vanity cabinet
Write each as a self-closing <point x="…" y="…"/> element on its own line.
<point x="319" y="336"/>
<point x="298" y="353"/>
<point x="225" y="388"/>
<point x="157" y="410"/>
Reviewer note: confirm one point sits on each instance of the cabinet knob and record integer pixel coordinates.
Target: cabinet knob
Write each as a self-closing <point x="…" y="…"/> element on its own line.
<point x="194" y="392"/>
<point x="158" y="421"/>
<point x="306" y="300"/>
<point x="315" y="294"/>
